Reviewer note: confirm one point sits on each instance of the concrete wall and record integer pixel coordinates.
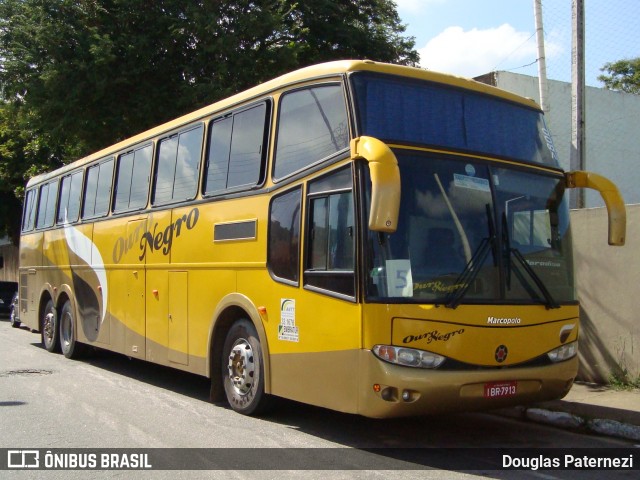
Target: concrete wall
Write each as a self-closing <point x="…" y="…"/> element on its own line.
<point x="9" y="255"/>
<point x="612" y="137"/>
<point x="608" y="281"/>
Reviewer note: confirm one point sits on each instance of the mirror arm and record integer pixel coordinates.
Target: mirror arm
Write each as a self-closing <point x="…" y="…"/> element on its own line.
<point x="612" y="199"/>
<point x="385" y="182"/>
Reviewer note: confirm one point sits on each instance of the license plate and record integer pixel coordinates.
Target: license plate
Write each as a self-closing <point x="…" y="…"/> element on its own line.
<point x="500" y="389"/>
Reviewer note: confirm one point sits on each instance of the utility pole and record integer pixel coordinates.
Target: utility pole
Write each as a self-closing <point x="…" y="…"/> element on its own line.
<point x="577" y="159"/>
<point x="542" y="62"/>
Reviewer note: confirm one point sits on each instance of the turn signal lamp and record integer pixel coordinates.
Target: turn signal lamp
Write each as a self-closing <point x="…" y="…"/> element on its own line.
<point x="409" y="357"/>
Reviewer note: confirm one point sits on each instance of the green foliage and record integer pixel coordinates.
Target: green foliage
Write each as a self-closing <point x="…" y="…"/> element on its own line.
<point x="623" y="75"/>
<point x="79" y="75"/>
<point x="23" y="153"/>
<point x="624" y="381"/>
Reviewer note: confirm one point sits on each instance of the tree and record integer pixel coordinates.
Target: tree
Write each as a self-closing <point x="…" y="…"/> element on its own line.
<point x="78" y="75"/>
<point x="624" y="75"/>
<point x="23" y="153"/>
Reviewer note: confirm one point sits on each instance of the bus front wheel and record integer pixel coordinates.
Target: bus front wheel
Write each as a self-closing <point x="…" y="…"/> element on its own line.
<point x="243" y="370"/>
<point x="49" y="328"/>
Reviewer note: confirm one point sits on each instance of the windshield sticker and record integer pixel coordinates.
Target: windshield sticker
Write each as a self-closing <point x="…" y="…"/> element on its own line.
<point x="287" y="329"/>
<point x="473" y="183"/>
<point x="544" y="263"/>
<point x="550" y="146"/>
<point x="399" y="279"/>
<point x="470" y="170"/>
<point x="437" y="286"/>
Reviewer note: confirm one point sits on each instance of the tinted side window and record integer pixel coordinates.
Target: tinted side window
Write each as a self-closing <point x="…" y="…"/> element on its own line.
<point x="237" y="148"/>
<point x="331" y="234"/>
<point x="132" y="183"/>
<point x="247" y="145"/>
<point x="178" y="167"/>
<point x="69" y="204"/>
<point x="97" y="195"/>
<point x="47" y="204"/>
<point x="284" y="236"/>
<point x="312" y="126"/>
<point x="29" y="218"/>
<point x="218" y="157"/>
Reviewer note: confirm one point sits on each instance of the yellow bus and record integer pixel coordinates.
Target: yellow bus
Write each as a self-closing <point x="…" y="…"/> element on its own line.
<point x="365" y="237"/>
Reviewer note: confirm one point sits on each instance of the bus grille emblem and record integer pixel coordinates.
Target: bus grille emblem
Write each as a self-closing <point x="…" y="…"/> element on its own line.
<point x="501" y="353"/>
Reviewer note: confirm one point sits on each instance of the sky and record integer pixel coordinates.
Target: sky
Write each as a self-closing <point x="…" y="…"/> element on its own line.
<point x="473" y="37"/>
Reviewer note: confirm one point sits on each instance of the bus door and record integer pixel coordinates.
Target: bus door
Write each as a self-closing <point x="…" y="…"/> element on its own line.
<point x="167" y="289"/>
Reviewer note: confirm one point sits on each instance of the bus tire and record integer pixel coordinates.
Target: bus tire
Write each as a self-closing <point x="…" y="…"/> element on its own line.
<point x="243" y="370"/>
<point x="13" y="314"/>
<point x="69" y="344"/>
<point x="49" y="328"/>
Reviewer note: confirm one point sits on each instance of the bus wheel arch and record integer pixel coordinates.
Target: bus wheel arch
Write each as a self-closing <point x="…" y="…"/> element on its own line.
<point x="233" y="308"/>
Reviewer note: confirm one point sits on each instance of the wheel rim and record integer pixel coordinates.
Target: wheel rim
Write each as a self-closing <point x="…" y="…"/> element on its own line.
<point x="49" y="327"/>
<point x="65" y="329"/>
<point x="241" y="367"/>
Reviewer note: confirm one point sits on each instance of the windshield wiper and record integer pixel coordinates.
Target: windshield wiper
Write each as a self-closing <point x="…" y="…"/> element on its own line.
<point x="474" y="265"/>
<point x="470" y="272"/>
<point x="549" y="301"/>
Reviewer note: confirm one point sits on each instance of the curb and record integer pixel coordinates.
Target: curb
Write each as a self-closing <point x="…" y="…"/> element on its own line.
<point x="569" y="421"/>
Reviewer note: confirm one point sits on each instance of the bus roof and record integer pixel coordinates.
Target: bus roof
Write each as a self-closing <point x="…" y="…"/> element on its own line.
<point x="318" y="71"/>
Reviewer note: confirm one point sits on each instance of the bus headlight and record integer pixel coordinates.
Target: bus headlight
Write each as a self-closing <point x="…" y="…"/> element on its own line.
<point x="409" y="357"/>
<point x="565" y="352"/>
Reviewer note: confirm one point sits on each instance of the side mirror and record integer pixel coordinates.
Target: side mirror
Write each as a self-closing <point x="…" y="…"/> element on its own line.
<point x="385" y="182"/>
<point x="612" y="199"/>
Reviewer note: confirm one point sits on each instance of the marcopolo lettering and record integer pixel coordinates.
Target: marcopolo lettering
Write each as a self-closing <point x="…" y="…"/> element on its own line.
<point x="503" y="321"/>
<point x="433" y="336"/>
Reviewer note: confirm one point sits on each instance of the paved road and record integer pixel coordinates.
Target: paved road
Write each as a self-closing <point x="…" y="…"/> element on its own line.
<point x="109" y="401"/>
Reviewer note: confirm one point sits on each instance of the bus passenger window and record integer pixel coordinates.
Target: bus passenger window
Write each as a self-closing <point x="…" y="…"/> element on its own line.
<point x="69" y="205"/>
<point x="47" y="206"/>
<point x="132" y="184"/>
<point x="29" y="218"/>
<point x="97" y="195"/>
<point x="284" y="236"/>
<point x="237" y="148"/>
<point x="178" y="167"/>
<point x="218" y="159"/>
<point x="312" y="126"/>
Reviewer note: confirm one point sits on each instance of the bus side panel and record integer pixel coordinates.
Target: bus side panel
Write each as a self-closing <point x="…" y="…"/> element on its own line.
<point x="88" y="284"/>
<point x="313" y="341"/>
<point x="178" y="328"/>
<point x="154" y="247"/>
<point x="119" y="245"/>
<point x="212" y="265"/>
<point x="30" y="263"/>
<point x="207" y="288"/>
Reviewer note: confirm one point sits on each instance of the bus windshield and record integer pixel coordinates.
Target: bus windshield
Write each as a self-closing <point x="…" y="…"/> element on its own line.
<point x="402" y="110"/>
<point x="470" y="232"/>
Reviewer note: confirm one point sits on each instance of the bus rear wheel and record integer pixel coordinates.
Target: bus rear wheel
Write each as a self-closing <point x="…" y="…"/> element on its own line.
<point x="70" y="346"/>
<point x="49" y="328"/>
<point x="243" y="370"/>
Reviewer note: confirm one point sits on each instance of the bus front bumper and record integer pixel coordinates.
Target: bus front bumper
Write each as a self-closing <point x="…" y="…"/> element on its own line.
<point x="389" y="390"/>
